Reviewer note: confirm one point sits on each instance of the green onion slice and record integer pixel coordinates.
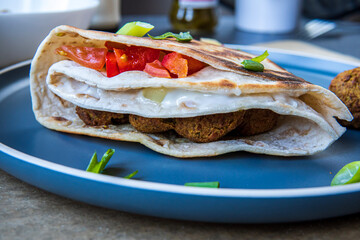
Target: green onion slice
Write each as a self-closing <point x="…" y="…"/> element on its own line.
<point x="97" y="167"/>
<point x="155" y="94"/>
<point x="252" y="65"/>
<point x="350" y="173"/>
<point x="131" y="174"/>
<point x="136" y="29"/>
<point x="203" y="184"/>
<point x="181" y="37"/>
<point x="261" y="57"/>
<point x="255" y="64"/>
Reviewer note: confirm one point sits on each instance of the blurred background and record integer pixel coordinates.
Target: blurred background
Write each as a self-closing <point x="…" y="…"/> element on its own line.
<point x="328" y="9"/>
<point x="298" y="25"/>
<point x="228" y="21"/>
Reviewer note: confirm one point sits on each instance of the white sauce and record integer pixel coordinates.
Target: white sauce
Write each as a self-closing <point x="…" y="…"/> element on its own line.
<point x="84" y="87"/>
<point x="179" y="99"/>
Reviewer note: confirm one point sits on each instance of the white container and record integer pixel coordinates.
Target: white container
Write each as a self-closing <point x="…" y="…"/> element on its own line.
<point x="267" y="16"/>
<point x="107" y="15"/>
<point x="25" y="23"/>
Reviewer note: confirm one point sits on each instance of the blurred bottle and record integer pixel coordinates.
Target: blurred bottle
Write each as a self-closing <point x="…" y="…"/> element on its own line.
<point x="107" y="16"/>
<point x="196" y="16"/>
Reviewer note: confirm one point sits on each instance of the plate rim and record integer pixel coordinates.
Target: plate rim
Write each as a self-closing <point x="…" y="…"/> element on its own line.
<point x="180" y="189"/>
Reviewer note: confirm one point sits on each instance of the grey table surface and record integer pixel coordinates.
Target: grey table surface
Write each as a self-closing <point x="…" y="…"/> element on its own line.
<point x="27" y="212"/>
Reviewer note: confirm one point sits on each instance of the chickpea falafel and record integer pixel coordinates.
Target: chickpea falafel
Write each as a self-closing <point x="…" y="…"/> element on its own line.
<point x="100" y="118"/>
<point x="208" y="128"/>
<point x="257" y="121"/>
<point x="346" y="86"/>
<point x="202" y="129"/>
<point x="151" y="125"/>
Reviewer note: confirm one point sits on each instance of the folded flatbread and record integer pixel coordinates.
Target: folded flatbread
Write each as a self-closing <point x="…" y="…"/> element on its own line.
<point x="306" y="124"/>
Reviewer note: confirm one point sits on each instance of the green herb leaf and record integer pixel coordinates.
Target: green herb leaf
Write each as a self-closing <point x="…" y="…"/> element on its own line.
<point x="181" y="37"/>
<point x="131" y="174"/>
<point x="203" y="184"/>
<point x="97" y="167"/>
<point x="350" y="173"/>
<point x="261" y="57"/>
<point x="252" y="65"/>
<point x="137" y="29"/>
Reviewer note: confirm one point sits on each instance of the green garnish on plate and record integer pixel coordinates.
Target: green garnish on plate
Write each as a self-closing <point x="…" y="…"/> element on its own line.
<point x="181" y="37"/>
<point x="131" y="174"/>
<point x="136" y="29"/>
<point x="255" y="64"/>
<point x="97" y="167"/>
<point x="203" y="184"/>
<point x="350" y="173"/>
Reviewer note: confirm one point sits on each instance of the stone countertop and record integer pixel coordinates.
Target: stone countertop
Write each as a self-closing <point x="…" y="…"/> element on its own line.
<point x="27" y="212"/>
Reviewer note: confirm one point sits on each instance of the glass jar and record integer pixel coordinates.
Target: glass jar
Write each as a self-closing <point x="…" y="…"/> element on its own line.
<point x="196" y="16"/>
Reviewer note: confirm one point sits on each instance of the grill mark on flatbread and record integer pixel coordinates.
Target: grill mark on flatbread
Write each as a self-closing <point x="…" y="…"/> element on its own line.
<point x="83" y="95"/>
<point x="214" y="55"/>
<point x="160" y="142"/>
<point x="283" y="77"/>
<point x="223" y="83"/>
<point x="60" y="119"/>
<point x="231" y="60"/>
<point x="227" y="84"/>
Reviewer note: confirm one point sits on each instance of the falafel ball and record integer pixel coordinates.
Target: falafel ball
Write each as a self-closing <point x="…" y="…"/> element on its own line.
<point x="100" y="118"/>
<point x="346" y="86"/>
<point x="257" y="121"/>
<point x="151" y="125"/>
<point x="208" y="128"/>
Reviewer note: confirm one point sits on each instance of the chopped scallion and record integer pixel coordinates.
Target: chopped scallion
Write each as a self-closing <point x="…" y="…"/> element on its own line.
<point x="203" y="184"/>
<point x="181" y="37"/>
<point x="131" y="174"/>
<point x="136" y="29"/>
<point x="261" y="57"/>
<point x="255" y="64"/>
<point x="97" y="167"/>
<point x="252" y="65"/>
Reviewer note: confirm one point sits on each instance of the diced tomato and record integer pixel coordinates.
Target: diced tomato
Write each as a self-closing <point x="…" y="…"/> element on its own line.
<point x="155" y="69"/>
<point x="194" y="65"/>
<point x="135" y="58"/>
<point x="111" y="45"/>
<point x="162" y="55"/>
<point x="122" y="60"/>
<point x="176" y="64"/>
<point x="111" y="65"/>
<point x="90" y="57"/>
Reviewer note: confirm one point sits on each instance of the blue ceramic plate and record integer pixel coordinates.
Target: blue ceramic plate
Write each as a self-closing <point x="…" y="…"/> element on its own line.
<point x="253" y="188"/>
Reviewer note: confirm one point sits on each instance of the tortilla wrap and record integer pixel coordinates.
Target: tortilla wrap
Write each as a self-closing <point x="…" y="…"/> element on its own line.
<point x="306" y="126"/>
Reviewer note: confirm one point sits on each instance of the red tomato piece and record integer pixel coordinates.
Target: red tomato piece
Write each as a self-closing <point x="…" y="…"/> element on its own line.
<point x="194" y="65"/>
<point x="90" y="57"/>
<point x="176" y="64"/>
<point x="135" y="58"/>
<point x="111" y="45"/>
<point x="122" y="60"/>
<point x="111" y="65"/>
<point x="155" y="69"/>
<point x="162" y="55"/>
